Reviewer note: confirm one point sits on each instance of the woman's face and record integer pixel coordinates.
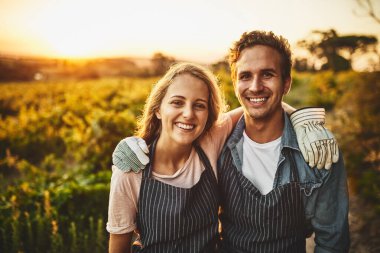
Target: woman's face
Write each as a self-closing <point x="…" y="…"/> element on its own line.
<point x="184" y="110"/>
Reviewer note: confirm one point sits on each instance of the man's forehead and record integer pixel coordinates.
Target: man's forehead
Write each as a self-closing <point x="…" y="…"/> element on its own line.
<point x="258" y="57"/>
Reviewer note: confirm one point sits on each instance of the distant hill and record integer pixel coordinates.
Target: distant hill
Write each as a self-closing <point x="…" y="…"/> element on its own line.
<point x="20" y="68"/>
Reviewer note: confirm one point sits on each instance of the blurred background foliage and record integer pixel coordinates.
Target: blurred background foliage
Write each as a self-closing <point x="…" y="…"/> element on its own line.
<point x="57" y="136"/>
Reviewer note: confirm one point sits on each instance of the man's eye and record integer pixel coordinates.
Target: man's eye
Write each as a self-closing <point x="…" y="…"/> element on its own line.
<point x="267" y="74"/>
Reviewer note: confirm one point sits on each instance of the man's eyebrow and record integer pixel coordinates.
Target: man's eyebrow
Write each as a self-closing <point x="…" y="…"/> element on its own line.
<point x="269" y="70"/>
<point x="244" y="72"/>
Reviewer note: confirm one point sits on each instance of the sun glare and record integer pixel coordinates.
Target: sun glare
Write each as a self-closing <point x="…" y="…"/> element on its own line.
<point x="69" y="32"/>
<point x="87" y="28"/>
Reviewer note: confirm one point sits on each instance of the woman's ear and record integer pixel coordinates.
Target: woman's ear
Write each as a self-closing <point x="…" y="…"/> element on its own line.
<point x="158" y="114"/>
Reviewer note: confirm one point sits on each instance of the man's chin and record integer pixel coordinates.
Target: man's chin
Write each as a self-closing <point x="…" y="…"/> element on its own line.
<point x="255" y="114"/>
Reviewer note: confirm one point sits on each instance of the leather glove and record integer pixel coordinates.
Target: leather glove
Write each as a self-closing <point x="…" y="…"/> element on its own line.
<point x="131" y="154"/>
<point x="318" y="145"/>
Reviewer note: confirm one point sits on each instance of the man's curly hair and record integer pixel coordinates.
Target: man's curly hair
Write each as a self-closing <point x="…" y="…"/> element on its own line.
<point x="254" y="38"/>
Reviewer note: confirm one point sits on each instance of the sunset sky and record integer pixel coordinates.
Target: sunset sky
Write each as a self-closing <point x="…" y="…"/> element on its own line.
<point x="198" y="30"/>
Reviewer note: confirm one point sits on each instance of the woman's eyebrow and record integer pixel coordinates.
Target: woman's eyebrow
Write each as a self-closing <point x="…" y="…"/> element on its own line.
<point x="177" y="96"/>
<point x="182" y="97"/>
<point x="201" y="99"/>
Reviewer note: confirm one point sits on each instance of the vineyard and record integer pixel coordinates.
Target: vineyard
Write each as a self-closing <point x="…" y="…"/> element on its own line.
<point x="57" y="138"/>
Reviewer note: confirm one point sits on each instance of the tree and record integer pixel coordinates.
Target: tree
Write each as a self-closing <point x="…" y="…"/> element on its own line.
<point x="336" y="50"/>
<point x="161" y="63"/>
<point x="367" y="6"/>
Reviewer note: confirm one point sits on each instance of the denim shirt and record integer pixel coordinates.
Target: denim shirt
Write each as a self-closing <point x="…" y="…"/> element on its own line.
<point x="325" y="192"/>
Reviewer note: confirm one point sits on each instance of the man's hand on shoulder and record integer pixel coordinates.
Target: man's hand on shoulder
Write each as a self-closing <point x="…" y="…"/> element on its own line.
<point x="131" y="154"/>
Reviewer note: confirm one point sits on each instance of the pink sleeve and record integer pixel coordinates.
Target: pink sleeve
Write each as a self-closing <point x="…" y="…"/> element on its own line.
<point x="122" y="208"/>
<point x="213" y="142"/>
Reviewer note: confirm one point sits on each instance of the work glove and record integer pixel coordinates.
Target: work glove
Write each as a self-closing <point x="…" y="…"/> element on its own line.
<point x="317" y="144"/>
<point x="131" y="154"/>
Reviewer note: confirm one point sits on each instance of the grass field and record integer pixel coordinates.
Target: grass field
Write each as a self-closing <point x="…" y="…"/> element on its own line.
<point x="56" y="141"/>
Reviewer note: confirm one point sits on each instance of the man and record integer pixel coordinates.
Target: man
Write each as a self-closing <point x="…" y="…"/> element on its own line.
<point x="270" y="201"/>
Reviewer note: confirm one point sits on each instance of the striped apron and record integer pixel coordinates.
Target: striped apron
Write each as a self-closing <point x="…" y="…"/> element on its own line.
<point x="252" y="222"/>
<point x="173" y="219"/>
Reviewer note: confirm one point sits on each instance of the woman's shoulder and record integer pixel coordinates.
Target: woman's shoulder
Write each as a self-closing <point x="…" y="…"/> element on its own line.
<point x="125" y="181"/>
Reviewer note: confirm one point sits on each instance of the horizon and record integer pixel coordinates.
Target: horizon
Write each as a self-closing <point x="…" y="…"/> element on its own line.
<point x="191" y="31"/>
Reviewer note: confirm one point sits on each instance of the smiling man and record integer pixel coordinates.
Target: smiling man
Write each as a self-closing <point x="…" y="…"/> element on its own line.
<point x="270" y="200"/>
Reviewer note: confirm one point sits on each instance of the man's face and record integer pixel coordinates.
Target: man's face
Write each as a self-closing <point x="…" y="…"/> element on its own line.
<point x="259" y="85"/>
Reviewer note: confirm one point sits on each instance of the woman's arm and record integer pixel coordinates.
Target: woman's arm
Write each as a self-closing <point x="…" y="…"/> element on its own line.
<point x="287" y="108"/>
<point x="120" y="243"/>
<point x="235" y="115"/>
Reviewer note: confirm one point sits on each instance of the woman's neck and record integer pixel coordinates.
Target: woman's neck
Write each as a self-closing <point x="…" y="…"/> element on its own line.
<point x="169" y="158"/>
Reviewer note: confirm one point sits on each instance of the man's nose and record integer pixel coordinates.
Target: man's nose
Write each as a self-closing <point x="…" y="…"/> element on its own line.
<point x="256" y="85"/>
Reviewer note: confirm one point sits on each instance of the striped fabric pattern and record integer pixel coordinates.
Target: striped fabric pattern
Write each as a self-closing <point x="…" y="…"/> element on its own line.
<point x="260" y="223"/>
<point x="173" y="219"/>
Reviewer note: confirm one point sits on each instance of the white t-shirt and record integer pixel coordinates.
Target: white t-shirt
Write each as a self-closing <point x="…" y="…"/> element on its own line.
<point x="260" y="162"/>
<point x="125" y="187"/>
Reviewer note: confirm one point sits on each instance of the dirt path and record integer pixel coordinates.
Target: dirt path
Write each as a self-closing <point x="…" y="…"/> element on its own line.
<point x="364" y="227"/>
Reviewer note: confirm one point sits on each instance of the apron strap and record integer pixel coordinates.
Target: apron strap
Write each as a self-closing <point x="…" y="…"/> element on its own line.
<point x="147" y="172"/>
<point x="205" y="161"/>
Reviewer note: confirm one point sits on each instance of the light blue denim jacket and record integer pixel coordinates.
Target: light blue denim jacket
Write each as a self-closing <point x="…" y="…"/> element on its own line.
<point x="325" y="191"/>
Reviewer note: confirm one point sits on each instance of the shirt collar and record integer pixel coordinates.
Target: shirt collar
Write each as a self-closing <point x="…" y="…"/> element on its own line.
<point x="288" y="138"/>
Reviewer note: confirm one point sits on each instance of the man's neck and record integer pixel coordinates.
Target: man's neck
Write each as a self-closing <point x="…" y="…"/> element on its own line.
<point x="264" y="130"/>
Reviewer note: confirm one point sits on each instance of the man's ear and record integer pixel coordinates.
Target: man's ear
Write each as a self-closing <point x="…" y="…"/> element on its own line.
<point x="234" y="86"/>
<point x="287" y="85"/>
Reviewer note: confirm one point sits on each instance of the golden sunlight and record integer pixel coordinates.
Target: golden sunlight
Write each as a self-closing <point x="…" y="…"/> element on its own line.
<point x="68" y="31"/>
<point x="93" y="28"/>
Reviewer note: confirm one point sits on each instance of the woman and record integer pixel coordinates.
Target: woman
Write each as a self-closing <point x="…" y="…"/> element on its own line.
<point x="173" y="203"/>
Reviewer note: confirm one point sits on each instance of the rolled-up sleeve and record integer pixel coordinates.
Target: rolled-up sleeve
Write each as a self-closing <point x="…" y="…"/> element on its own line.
<point x="330" y="219"/>
<point x="123" y="198"/>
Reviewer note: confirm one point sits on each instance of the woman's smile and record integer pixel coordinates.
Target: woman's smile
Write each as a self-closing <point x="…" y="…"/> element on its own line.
<point x="183" y="111"/>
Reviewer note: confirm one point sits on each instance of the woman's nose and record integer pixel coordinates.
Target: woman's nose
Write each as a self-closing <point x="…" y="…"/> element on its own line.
<point x="188" y="111"/>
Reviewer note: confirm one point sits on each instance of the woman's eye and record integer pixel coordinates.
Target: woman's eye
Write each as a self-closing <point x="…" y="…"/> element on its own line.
<point x="176" y="102"/>
<point x="200" y="106"/>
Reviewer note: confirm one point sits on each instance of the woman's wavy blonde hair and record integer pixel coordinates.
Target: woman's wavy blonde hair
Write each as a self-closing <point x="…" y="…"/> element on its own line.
<point x="149" y="126"/>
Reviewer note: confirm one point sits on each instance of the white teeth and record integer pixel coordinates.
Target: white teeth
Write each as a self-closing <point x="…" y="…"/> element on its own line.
<point x="184" y="126"/>
<point x="257" y="100"/>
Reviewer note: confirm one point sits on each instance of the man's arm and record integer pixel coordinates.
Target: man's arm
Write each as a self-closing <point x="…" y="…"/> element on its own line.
<point x="120" y="243"/>
<point x="330" y="220"/>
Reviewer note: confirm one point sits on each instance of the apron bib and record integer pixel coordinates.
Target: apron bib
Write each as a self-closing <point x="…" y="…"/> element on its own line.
<point x="252" y="222"/>
<point x="174" y="219"/>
